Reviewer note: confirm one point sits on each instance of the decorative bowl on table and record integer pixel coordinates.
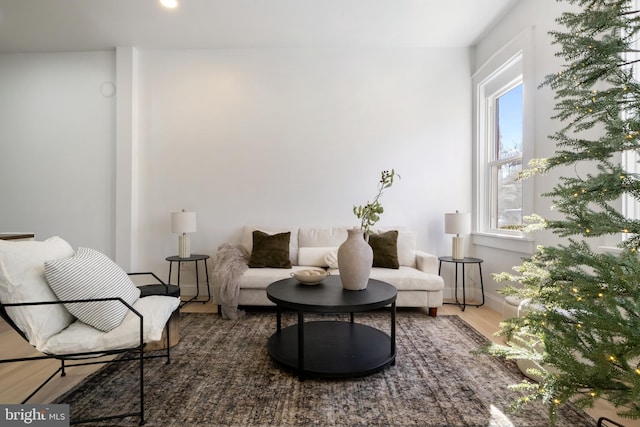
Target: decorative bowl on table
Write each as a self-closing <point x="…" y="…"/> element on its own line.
<point x="310" y="277"/>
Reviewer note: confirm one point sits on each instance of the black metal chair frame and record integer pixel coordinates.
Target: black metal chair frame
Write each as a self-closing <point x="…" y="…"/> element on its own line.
<point x="67" y="359"/>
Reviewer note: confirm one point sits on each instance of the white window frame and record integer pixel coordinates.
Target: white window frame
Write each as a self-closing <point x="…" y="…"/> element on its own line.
<point x="510" y="66"/>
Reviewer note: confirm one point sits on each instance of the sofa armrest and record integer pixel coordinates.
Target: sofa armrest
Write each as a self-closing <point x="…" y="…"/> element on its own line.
<point x="426" y="262"/>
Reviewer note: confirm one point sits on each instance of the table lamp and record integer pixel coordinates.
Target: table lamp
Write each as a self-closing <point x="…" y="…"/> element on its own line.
<point x="183" y="223"/>
<point x="457" y="223"/>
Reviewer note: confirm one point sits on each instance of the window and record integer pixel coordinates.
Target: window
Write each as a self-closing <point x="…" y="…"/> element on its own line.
<point x="505" y="160"/>
<point x="503" y="143"/>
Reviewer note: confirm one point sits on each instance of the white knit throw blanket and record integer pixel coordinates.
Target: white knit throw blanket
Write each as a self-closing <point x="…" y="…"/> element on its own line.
<point x="229" y="263"/>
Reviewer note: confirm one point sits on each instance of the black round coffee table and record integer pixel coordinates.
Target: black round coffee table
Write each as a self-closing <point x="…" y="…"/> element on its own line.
<point x="334" y="349"/>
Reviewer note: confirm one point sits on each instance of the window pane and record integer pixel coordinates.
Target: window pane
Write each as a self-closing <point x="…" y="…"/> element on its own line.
<point x="509" y="124"/>
<point x="509" y="195"/>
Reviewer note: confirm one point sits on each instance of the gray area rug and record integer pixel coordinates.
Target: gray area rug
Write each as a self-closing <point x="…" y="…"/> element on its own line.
<point x="222" y="375"/>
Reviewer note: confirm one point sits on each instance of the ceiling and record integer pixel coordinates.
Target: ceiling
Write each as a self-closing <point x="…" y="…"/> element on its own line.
<point x="76" y="25"/>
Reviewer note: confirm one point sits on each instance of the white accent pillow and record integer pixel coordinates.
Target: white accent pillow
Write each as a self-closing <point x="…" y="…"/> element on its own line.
<point x="88" y="275"/>
<point x="314" y="257"/>
<point x="332" y="259"/>
<point x="22" y="280"/>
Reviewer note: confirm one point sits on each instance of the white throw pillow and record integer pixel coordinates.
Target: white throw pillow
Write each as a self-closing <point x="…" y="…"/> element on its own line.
<point x="315" y="257"/>
<point x="331" y="259"/>
<point x="22" y="280"/>
<point x="89" y="275"/>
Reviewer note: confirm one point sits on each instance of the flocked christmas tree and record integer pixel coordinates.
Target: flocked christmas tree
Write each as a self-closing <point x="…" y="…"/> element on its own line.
<point x="583" y="322"/>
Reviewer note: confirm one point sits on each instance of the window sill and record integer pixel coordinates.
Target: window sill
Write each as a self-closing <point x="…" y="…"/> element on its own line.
<point x="523" y="244"/>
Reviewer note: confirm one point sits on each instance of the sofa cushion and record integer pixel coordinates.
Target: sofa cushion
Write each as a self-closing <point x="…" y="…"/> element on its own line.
<point x="408" y="279"/>
<point x="385" y="249"/>
<point x="404" y="278"/>
<point x="22" y="280"/>
<point x="322" y="237"/>
<point x="270" y="250"/>
<point x="80" y="337"/>
<point x="247" y="239"/>
<point x="315" y="257"/>
<point x="88" y="275"/>
<point x="260" y="278"/>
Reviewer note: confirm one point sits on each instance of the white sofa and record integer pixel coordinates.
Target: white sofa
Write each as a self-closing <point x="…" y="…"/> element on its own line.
<point x="417" y="279"/>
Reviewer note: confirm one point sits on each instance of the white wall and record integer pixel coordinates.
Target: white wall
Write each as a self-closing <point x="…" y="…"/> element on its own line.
<point x="298" y="136"/>
<point x="57" y="146"/>
<point x="264" y="136"/>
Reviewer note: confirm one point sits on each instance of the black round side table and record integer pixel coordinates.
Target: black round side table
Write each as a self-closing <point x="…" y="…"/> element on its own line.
<point x="193" y="258"/>
<point x="463" y="261"/>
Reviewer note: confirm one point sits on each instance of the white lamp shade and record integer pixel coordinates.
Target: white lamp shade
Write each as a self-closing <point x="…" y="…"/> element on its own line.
<point x="457" y="223"/>
<point x="183" y="222"/>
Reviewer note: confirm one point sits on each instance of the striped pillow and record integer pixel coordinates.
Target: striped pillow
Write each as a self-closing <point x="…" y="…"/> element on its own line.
<point x="88" y="275"/>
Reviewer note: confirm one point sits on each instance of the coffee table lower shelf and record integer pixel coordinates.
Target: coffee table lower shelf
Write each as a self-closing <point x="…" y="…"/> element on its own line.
<point x="333" y="349"/>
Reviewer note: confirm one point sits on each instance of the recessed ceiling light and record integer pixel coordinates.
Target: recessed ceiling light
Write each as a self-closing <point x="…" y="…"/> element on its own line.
<point x="170" y="4"/>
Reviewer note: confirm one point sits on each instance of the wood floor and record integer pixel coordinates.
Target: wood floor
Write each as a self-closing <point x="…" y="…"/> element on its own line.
<point x="17" y="380"/>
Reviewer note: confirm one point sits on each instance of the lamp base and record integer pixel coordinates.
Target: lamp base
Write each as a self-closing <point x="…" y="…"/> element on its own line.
<point x="184" y="247"/>
<point x="457" y="248"/>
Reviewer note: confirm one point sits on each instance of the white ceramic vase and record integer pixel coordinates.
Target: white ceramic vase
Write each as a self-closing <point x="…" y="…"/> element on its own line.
<point x="355" y="258"/>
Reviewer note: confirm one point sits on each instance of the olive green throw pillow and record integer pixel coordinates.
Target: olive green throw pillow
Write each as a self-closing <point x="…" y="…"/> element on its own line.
<point x="270" y="250"/>
<point x="385" y="249"/>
